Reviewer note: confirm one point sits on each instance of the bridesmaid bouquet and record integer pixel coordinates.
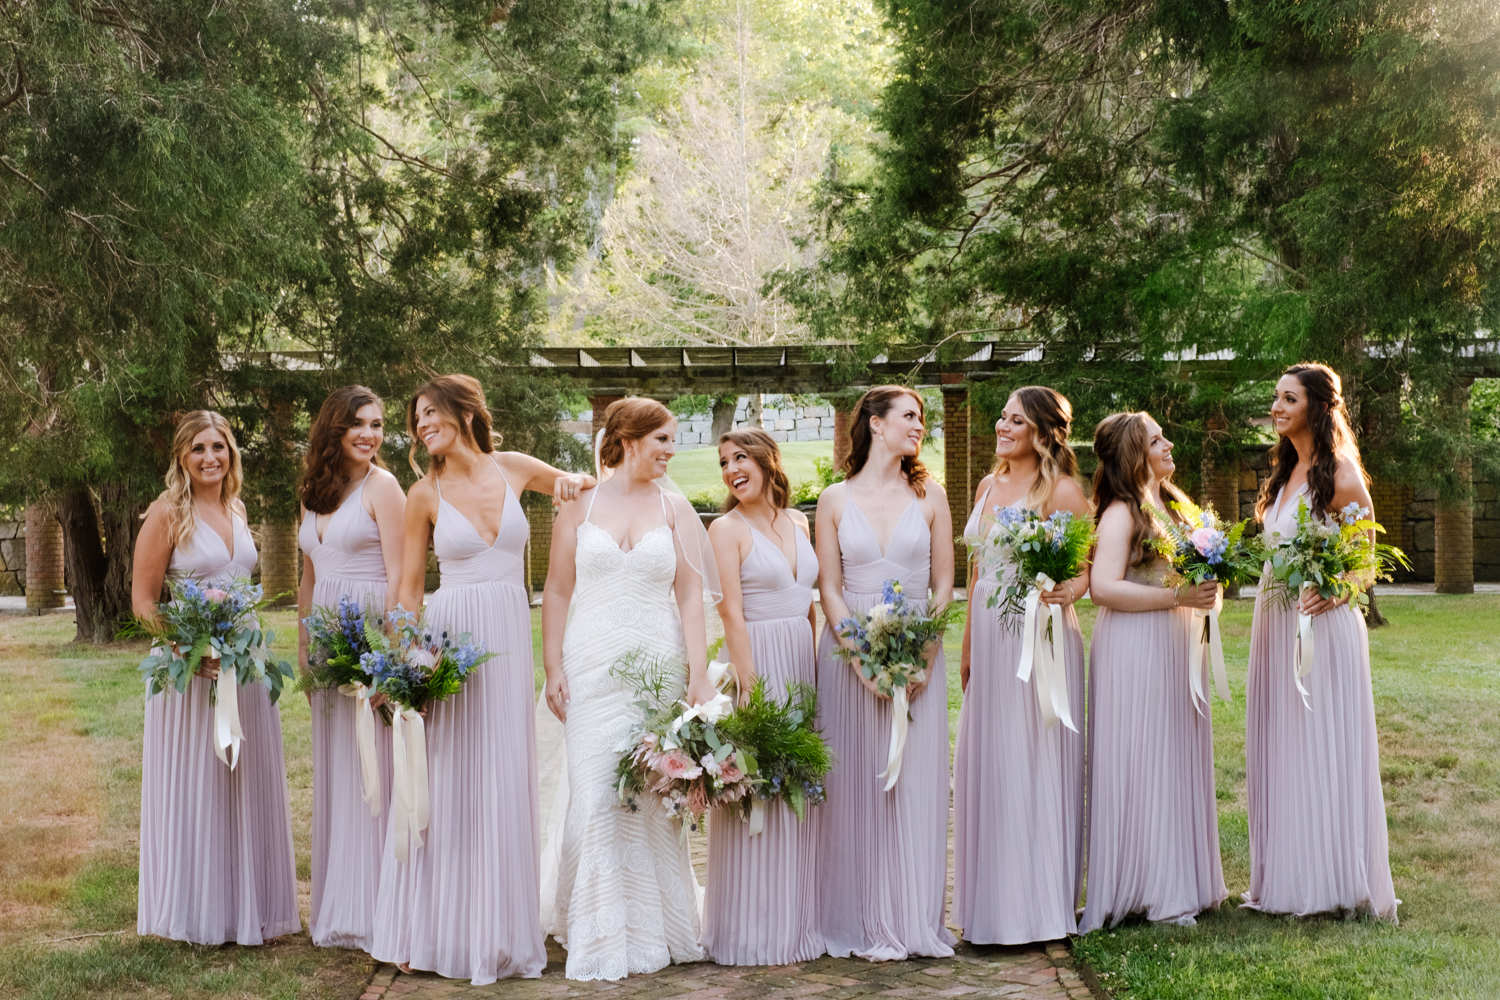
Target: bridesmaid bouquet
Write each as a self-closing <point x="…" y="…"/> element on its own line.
<point x="1044" y="552"/>
<point x="792" y="757"/>
<point x="415" y="669"/>
<point x="222" y="626"/>
<point x="1201" y="549"/>
<point x="891" y="644"/>
<point x="337" y="640"/>
<point x="1338" y="558"/>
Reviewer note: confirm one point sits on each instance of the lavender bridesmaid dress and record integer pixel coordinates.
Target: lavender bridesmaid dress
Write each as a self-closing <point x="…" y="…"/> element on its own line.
<point x="467" y="904"/>
<point x="1017" y="787"/>
<point x="883" y="856"/>
<point x="346" y="839"/>
<point x="1318" y="839"/>
<point x="216" y="844"/>
<point x="761" y="906"/>
<point x="1153" y="838"/>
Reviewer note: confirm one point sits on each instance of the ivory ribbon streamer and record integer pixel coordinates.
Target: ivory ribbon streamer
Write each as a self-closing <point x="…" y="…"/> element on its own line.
<point x="1040" y="651"/>
<point x="227" y="732"/>
<point x="1302" y="653"/>
<point x="900" y="710"/>
<point x="1206" y="635"/>
<point x="757" y="817"/>
<point x="409" y="799"/>
<point x="364" y="741"/>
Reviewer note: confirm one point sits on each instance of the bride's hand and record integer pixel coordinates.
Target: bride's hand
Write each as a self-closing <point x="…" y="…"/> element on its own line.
<point x="557" y="696"/>
<point x="701" y="691"/>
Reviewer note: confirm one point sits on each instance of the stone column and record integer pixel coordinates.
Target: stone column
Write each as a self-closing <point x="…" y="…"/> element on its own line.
<point x="44" y="560"/>
<point x="279" y="557"/>
<point x="956" y="464"/>
<point x="841" y="442"/>
<point x="541" y="543"/>
<point x="1453" y="521"/>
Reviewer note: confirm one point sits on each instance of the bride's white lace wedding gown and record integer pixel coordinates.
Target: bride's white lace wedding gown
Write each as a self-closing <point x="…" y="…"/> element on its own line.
<point x="627" y="899"/>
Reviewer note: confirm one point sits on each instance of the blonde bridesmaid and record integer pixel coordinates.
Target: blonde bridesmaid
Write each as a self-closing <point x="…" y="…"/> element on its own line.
<point x="1017" y="785"/>
<point x="883" y="855"/>
<point x="216" y="860"/>
<point x="1318" y="839"/>
<point x="351" y="539"/>
<point x="761" y="903"/>
<point x="1153" y="836"/>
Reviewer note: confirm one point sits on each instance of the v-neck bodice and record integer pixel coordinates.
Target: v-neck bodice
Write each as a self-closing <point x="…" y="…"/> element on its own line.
<point x="463" y="558"/>
<point x="1281" y="519"/>
<point x="989" y="561"/>
<point x="205" y="557"/>
<point x="767" y="584"/>
<point x="908" y="556"/>
<point x="350" y="546"/>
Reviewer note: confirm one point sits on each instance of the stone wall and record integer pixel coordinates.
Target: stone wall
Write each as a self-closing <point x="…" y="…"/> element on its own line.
<point x="780" y="419"/>
<point x="12" y="558"/>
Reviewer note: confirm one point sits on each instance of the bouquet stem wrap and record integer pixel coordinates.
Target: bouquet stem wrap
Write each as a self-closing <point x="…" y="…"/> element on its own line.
<point x="1040" y="650"/>
<point x="1302" y="653"/>
<point x="364" y="742"/>
<point x="1206" y="636"/>
<point x="900" y="722"/>
<point x="409" y="799"/>
<point x="757" y="817"/>
<point x="228" y="735"/>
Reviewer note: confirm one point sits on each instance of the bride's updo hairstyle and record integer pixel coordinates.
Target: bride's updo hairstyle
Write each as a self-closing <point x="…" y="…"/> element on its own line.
<point x="628" y="420"/>
<point x="762" y="449"/>
<point x="1124" y="451"/>
<point x="1050" y="416"/>
<point x="1333" y="438"/>
<point x="182" y="519"/>
<point x="460" y="398"/>
<point x="877" y="403"/>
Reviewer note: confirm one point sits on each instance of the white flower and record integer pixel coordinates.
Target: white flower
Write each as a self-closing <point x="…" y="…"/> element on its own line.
<point x="423" y="658"/>
<point x="710" y="765"/>
<point x="879" y="613"/>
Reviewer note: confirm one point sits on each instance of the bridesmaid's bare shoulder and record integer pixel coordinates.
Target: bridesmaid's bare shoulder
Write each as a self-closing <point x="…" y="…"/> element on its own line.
<point x="833" y="498"/>
<point x="1068" y="495"/>
<point x="798" y="518"/>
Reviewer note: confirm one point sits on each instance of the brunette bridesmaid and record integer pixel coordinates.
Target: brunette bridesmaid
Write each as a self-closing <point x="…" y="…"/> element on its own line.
<point x="1317" y="817"/>
<point x="1018" y="786"/>
<point x="466" y="904"/>
<point x="351" y="539"/>
<point x="216" y="843"/>
<point x="1153" y="837"/>
<point x="761" y="903"/>
<point x="883" y="855"/>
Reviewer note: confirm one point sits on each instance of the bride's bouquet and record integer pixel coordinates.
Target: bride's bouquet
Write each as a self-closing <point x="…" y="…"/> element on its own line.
<point x="337" y="640"/>
<point x="1042" y="552"/>
<point x="890" y="642"/>
<point x="696" y="758"/>
<point x="415" y="668"/>
<point x="1338" y="558"/>
<point x="219" y="626"/>
<point x="1201" y="548"/>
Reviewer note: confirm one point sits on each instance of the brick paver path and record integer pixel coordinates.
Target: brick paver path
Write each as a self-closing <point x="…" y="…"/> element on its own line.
<point x="975" y="972"/>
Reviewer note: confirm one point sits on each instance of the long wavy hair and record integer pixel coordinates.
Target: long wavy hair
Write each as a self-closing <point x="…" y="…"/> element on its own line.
<point x="457" y="397"/>
<point x="1123" y="447"/>
<point x="1050" y="416"/>
<point x="878" y="402"/>
<point x="628" y="419"/>
<point x="1333" y="438"/>
<point x="764" y="452"/>
<point x="182" y="520"/>
<point x="325" y="471"/>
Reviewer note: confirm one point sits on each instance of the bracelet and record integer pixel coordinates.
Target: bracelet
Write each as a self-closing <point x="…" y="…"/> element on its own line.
<point x="1071" y="596"/>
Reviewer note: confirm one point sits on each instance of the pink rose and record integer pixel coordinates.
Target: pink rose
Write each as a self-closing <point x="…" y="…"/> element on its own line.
<point x="216" y="595"/>
<point x="649" y="739"/>
<point x="1204" y="540"/>
<point x="729" y="771"/>
<point x="679" y="766"/>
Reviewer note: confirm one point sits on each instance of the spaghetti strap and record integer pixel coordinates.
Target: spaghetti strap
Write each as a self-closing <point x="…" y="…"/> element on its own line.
<point x="438" y="482"/>
<point x="496" y="462"/>
<point x="589" y="512"/>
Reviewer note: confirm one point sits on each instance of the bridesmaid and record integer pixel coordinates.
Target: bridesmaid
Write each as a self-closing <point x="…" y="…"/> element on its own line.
<point x="216" y="843"/>
<point x="761" y="904"/>
<point x="1317" y="819"/>
<point x="467" y="905"/>
<point x="1153" y="836"/>
<point x="351" y="539"/>
<point x="883" y="856"/>
<point x="1017" y="786"/>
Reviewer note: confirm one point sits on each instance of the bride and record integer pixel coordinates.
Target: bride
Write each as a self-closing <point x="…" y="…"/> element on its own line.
<point x="627" y="899"/>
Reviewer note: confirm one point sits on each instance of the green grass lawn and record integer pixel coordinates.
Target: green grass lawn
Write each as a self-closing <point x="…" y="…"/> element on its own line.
<point x="70" y="724"/>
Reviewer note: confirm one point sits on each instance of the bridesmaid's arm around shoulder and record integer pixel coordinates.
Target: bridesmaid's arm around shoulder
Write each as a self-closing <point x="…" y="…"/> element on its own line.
<point x="557" y="594"/>
<point x="1108" y="585"/>
<point x="535" y="475"/>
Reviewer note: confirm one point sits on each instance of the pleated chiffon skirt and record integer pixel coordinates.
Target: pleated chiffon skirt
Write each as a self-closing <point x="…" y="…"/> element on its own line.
<point x="1018" y="792"/>
<point x="761" y="904"/>
<point x="882" y="856"/>
<point x="216" y="861"/>
<point x="1318" y="841"/>
<point x="467" y="903"/>
<point x="346" y="840"/>
<point x="1153" y="837"/>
